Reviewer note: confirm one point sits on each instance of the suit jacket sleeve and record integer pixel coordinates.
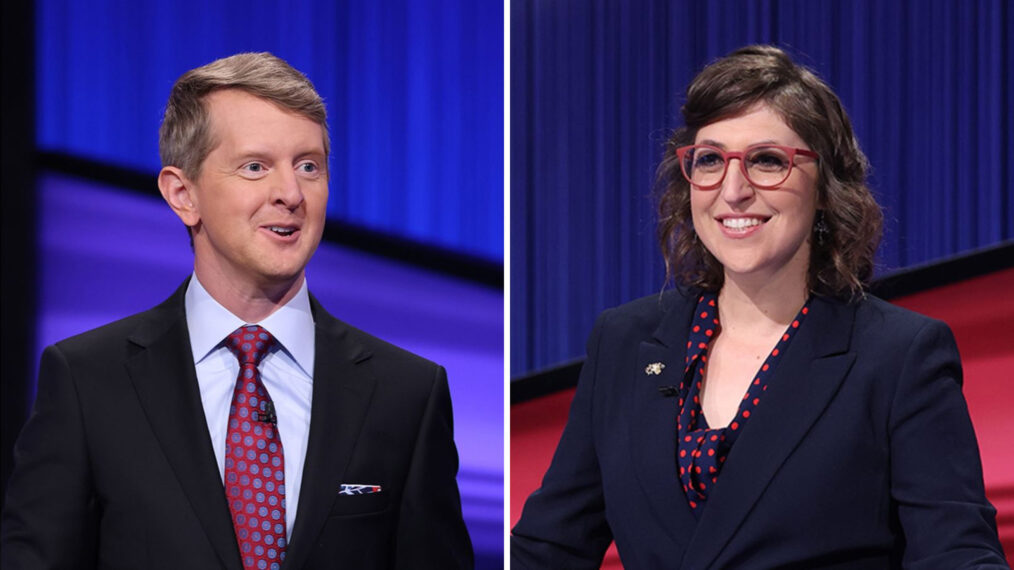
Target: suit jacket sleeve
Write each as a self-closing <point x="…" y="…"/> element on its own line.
<point x="563" y="524"/>
<point x="936" y="474"/>
<point x="50" y="515"/>
<point x="431" y="532"/>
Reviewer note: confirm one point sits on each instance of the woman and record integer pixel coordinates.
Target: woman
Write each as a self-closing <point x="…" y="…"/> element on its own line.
<point x="766" y="412"/>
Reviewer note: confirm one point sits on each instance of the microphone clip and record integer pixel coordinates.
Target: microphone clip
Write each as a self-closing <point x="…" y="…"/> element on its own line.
<point x="668" y="391"/>
<point x="267" y="415"/>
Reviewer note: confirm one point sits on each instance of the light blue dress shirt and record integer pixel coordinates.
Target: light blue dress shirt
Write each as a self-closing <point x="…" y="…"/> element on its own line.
<point x="287" y="373"/>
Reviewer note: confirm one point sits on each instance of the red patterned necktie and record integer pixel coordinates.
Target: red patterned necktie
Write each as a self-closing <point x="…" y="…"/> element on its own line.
<point x="254" y="466"/>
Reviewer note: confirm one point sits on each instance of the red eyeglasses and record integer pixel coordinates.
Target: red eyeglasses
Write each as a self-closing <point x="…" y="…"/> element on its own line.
<point x="765" y="166"/>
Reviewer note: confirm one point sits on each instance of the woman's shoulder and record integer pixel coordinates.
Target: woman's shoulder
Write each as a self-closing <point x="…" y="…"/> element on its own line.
<point x="882" y="318"/>
<point x="875" y="319"/>
<point x="873" y="326"/>
<point x="648" y="312"/>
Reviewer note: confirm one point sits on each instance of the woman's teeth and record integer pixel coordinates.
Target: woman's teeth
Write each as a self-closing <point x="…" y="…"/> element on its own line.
<point x="740" y="223"/>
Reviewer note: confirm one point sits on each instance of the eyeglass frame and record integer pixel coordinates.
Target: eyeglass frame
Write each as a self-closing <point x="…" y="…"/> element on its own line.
<point x="729" y="155"/>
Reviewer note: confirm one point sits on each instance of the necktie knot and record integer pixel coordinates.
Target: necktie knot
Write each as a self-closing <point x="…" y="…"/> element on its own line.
<point x="250" y="344"/>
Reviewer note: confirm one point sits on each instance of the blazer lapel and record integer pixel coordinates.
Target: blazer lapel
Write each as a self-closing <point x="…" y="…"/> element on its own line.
<point x="653" y="429"/>
<point x="342" y="390"/>
<point x="804" y="383"/>
<point x="162" y="372"/>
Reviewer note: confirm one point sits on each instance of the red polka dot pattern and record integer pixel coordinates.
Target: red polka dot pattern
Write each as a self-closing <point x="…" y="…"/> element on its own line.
<point x="702" y="450"/>
<point x="254" y="464"/>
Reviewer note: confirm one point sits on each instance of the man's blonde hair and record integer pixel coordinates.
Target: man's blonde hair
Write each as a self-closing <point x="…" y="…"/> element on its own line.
<point x="185" y="139"/>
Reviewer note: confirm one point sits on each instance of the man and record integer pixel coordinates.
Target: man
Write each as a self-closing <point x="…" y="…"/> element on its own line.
<point x="238" y="424"/>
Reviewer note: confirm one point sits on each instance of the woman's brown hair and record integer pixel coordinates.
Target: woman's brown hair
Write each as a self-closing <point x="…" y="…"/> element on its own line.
<point x="849" y="219"/>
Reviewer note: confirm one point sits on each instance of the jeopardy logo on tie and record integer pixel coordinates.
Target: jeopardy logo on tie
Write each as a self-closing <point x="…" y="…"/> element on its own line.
<point x="358" y="489"/>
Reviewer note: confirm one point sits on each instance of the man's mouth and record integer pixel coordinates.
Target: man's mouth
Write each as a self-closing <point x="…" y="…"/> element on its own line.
<point x="283" y="231"/>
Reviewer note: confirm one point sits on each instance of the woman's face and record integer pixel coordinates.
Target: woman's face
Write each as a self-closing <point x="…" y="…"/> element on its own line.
<point x="754" y="233"/>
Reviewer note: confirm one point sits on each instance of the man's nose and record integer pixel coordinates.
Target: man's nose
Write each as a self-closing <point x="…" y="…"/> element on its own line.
<point x="286" y="189"/>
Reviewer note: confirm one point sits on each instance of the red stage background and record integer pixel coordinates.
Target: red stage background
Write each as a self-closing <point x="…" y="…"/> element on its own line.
<point x="980" y="311"/>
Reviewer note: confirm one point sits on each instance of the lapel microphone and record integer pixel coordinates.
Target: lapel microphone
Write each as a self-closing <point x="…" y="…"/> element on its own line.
<point x="268" y="415"/>
<point x="668" y="391"/>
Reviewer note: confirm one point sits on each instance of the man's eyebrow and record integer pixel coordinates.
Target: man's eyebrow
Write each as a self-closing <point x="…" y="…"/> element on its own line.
<point x="250" y="152"/>
<point x="311" y="152"/>
<point x="257" y="152"/>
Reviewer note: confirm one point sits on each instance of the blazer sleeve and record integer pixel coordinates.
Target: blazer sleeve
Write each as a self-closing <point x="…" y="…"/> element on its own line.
<point x="563" y="524"/>
<point x="936" y="474"/>
<point x="50" y="516"/>
<point x="431" y="532"/>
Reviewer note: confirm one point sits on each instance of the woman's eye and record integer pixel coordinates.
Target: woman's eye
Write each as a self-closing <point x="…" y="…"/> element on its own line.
<point x="769" y="160"/>
<point x="707" y="160"/>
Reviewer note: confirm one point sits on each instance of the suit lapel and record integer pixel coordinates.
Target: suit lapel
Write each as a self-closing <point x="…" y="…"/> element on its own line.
<point x="803" y="385"/>
<point x="162" y="372"/>
<point x="342" y="390"/>
<point x="653" y="429"/>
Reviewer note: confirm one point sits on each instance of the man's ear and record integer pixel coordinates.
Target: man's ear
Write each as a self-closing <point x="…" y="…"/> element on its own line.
<point x="178" y="192"/>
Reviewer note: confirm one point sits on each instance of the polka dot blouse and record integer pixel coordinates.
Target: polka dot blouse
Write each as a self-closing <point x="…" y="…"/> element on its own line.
<point x="702" y="450"/>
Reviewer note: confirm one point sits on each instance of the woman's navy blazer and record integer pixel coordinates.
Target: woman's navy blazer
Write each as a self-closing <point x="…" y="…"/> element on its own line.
<point x="861" y="454"/>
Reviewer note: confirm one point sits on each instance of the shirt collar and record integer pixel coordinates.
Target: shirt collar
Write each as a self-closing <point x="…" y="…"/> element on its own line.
<point x="704" y="326"/>
<point x="291" y="324"/>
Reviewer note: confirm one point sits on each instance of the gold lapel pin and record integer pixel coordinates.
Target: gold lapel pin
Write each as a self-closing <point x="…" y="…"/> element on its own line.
<point x="655" y="368"/>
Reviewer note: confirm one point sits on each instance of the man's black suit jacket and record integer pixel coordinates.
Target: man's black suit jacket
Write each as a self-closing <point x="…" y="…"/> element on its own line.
<point x="861" y="454"/>
<point x="115" y="468"/>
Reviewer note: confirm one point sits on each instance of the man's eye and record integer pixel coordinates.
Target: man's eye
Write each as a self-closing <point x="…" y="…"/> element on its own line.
<point x="308" y="167"/>
<point x="254" y="167"/>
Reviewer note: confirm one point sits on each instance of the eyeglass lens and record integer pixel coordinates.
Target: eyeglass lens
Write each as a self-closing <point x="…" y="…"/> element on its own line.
<point x="764" y="166"/>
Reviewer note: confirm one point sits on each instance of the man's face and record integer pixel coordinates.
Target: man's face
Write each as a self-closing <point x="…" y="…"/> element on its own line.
<point x="261" y="195"/>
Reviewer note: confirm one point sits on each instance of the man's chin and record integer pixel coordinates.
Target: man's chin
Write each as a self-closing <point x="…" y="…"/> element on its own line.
<point x="281" y="278"/>
<point x="275" y="276"/>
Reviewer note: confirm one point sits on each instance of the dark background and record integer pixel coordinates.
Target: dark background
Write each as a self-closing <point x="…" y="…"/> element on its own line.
<point x="596" y="88"/>
<point x="413" y="248"/>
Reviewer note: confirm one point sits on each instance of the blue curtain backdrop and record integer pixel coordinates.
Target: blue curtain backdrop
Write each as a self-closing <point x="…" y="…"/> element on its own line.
<point x="596" y="88"/>
<point x="414" y="90"/>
